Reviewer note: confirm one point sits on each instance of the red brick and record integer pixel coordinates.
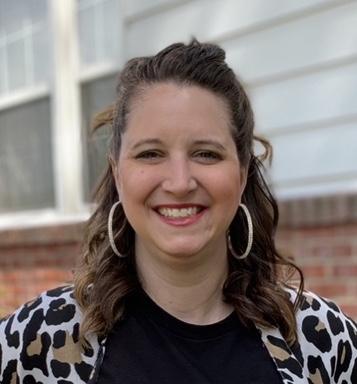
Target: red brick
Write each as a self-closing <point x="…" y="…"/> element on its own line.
<point x="331" y="251"/>
<point x="345" y="270"/>
<point x="350" y="310"/>
<point x="315" y="270"/>
<point x="329" y="290"/>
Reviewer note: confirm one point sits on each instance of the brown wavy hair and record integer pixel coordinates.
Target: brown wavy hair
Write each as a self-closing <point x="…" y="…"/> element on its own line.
<point x="255" y="285"/>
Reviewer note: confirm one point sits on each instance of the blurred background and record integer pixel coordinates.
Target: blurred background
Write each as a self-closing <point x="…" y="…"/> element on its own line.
<point x="58" y="66"/>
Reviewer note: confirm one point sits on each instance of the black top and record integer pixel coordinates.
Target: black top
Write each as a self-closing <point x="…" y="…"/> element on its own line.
<point x="151" y="346"/>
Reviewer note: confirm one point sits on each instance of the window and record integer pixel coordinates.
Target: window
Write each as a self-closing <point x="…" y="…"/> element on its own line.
<point x="24" y="45"/>
<point x="99" y="24"/>
<point x="26" y="169"/>
<point x="96" y="95"/>
<point x="43" y="164"/>
<point x="99" y="30"/>
<point x="26" y="165"/>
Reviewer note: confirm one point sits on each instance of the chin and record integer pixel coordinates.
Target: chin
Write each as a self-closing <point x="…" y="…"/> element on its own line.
<point x="183" y="252"/>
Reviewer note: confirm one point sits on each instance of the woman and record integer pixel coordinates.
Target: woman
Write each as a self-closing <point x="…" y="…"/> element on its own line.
<point x="180" y="280"/>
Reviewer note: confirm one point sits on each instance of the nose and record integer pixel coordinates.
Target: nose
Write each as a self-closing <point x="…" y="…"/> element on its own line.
<point x="179" y="179"/>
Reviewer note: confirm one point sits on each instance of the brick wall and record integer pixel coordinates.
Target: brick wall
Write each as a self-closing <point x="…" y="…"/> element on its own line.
<point x="328" y="257"/>
<point x="321" y="233"/>
<point x="36" y="259"/>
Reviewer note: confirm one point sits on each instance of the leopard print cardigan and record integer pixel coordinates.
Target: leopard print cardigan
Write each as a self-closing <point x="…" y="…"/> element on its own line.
<point x="39" y="343"/>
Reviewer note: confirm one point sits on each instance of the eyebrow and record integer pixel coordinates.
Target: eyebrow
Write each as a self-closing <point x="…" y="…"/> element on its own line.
<point x="211" y="142"/>
<point x="146" y="141"/>
<point x="214" y="143"/>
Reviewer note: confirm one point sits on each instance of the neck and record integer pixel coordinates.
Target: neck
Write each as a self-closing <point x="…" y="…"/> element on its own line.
<point x="190" y="291"/>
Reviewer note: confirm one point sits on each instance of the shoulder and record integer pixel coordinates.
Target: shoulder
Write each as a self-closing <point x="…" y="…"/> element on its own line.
<point x="51" y="308"/>
<point x="327" y="338"/>
<point x="42" y="334"/>
<point x="318" y="314"/>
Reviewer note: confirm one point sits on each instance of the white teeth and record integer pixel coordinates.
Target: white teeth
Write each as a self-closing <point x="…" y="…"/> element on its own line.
<point x="175" y="212"/>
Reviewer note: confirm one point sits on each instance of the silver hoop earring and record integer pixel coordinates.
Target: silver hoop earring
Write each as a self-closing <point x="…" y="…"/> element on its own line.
<point x="250" y="236"/>
<point x="110" y="230"/>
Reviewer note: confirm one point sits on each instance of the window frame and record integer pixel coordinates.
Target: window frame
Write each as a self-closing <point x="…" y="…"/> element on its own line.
<point x="63" y="90"/>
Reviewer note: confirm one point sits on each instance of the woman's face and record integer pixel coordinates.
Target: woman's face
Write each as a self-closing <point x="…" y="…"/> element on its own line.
<point x="178" y="174"/>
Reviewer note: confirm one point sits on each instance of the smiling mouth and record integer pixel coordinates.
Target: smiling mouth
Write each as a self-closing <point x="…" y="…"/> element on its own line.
<point x="179" y="212"/>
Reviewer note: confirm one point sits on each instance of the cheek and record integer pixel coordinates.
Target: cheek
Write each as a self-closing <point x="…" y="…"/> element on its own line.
<point x="228" y="185"/>
<point x="137" y="184"/>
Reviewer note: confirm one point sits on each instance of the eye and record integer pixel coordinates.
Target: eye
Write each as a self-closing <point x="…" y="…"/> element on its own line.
<point x="208" y="156"/>
<point x="149" y="155"/>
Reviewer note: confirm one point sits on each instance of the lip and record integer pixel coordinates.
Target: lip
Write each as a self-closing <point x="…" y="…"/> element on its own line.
<point x="179" y="206"/>
<point x="181" y="221"/>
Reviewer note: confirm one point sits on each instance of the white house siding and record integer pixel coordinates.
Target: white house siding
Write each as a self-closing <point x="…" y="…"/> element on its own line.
<point x="299" y="62"/>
